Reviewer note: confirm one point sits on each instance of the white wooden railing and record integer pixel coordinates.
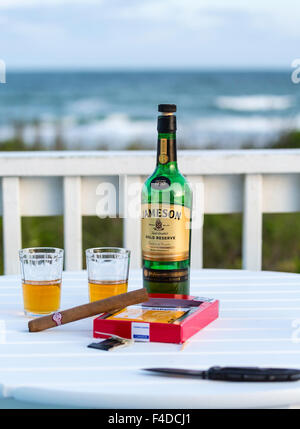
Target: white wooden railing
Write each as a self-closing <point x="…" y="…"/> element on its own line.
<point x="54" y="183"/>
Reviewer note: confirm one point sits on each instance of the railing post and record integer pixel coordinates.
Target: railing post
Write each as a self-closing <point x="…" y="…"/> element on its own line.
<point x="12" y="241"/>
<point x="197" y="185"/>
<point x="72" y="223"/>
<point x="252" y="222"/>
<point x="130" y="200"/>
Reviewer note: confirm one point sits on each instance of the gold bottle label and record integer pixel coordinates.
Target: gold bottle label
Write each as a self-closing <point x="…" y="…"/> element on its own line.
<point x="165" y="232"/>
<point x="166" y="276"/>
<point x="163" y="157"/>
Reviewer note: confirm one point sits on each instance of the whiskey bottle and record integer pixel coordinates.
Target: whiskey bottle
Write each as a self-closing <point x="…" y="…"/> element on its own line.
<point x="166" y="216"/>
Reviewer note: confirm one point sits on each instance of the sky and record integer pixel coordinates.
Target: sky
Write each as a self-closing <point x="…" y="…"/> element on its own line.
<point x="149" y="34"/>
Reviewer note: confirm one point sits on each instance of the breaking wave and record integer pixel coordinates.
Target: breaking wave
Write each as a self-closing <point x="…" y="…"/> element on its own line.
<point x="255" y="103"/>
<point x="118" y="131"/>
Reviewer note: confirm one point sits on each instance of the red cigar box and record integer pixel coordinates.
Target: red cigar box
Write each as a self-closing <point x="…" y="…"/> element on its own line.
<point x="182" y="316"/>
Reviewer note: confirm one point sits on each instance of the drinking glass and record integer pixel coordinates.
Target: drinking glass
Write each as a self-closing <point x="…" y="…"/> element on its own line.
<point x="107" y="269"/>
<point x="41" y="270"/>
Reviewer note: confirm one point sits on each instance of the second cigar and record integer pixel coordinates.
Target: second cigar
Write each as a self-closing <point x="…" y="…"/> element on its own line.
<point x="87" y="310"/>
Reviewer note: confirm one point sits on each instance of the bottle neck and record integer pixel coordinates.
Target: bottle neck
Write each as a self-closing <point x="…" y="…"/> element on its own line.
<point x="166" y="150"/>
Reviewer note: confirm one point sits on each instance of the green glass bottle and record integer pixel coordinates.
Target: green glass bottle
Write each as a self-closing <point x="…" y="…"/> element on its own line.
<point x="166" y="216"/>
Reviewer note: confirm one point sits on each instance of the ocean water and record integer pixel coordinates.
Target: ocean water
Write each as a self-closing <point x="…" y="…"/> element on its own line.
<point x="89" y="110"/>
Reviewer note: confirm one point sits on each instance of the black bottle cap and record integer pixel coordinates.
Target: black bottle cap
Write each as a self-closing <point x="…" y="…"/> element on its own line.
<point x="167" y="108"/>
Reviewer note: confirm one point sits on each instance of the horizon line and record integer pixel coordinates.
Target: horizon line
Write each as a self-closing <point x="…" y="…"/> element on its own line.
<point x="49" y="69"/>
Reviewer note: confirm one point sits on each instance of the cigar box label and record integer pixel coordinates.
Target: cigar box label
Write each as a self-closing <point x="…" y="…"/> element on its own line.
<point x="57" y="318"/>
<point x="147" y="314"/>
<point x="140" y="331"/>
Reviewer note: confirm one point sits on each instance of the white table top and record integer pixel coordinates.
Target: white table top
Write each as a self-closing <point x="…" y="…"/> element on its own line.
<point x="259" y="324"/>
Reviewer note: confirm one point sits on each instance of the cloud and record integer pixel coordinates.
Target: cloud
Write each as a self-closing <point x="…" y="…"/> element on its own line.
<point x="137" y="33"/>
<point x="13" y="4"/>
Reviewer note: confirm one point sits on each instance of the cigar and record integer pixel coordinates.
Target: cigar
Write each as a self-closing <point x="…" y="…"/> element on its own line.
<point x="87" y="310"/>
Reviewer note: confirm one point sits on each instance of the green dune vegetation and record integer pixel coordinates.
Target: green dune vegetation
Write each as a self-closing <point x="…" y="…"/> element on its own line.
<point x="222" y="233"/>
